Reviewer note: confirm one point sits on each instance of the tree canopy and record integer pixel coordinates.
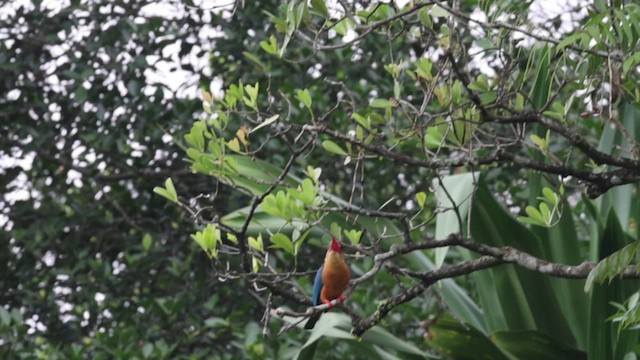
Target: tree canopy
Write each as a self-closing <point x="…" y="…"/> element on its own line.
<point x="479" y="161"/>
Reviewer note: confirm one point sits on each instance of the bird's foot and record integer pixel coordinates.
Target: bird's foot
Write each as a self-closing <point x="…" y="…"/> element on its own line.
<point x="329" y="303"/>
<point x="340" y="299"/>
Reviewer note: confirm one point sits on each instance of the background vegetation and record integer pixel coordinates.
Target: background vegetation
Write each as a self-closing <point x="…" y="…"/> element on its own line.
<point x="479" y="160"/>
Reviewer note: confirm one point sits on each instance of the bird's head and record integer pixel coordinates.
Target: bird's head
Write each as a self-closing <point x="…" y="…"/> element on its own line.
<point x="335" y="246"/>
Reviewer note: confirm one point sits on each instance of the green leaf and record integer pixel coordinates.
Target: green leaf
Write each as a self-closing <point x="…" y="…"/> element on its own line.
<point x="341" y="27"/>
<point x="364" y="122"/>
<point x="481" y="84"/>
<point x="304" y="97"/>
<point x="512" y="297"/>
<point x="270" y="46"/>
<point x="452" y="191"/>
<point x="307" y="192"/>
<point x="336" y="230"/>
<point x="421" y="197"/>
<point x="386" y="340"/>
<point x="282" y="241"/>
<point x="631" y="62"/>
<point x="147" y="350"/>
<point x="396" y="89"/>
<point x="539" y="142"/>
<point x="353" y="236"/>
<point x="382" y="103"/>
<point x="484" y="43"/>
<point x="569" y="40"/>
<point x="300" y="11"/>
<point x="488" y="97"/>
<point x="425" y="18"/>
<point x="332" y="147"/>
<point x="460" y="341"/>
<point x="437" y="11"/>
<point x="255" y="264"/>
<point x="5" y="317"/>
<point x="320" y="7"/>
<point x="462" y="129"/>
<point x="215" y="322"/>
<point x="550" y="196"/>
<point x="423" y="68"/>
<point x="456" y="91"/>
<point x="531" y="221"/>
<point x="252" y="92"/>
<point x="208" y="239"/>
<point x="147" y="241"/>
<point x="534" y="214"/>
<point x="602" y="341"/>
<point x="544" y="75"/>
<point x="434" y="138"/>
<point x="168" y="191"/>
<point x="267" y="122"/>
<point x="256" y="60"/>
<point x="624" y="199"/>
<point x="561" y="242"/>
<point x="298" y="240"/>
<point x="195" y="137"/>
<point x="256" y="243"/>
<point x="314" y="173"/>
<point x="546" y="213"/>
<point x="534" y="345"/>
<point x="194" y="154"/>
<point x="613" y="265"/>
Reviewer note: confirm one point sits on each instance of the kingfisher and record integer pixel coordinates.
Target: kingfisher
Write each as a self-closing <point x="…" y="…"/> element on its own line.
<point x="331" y="279"/>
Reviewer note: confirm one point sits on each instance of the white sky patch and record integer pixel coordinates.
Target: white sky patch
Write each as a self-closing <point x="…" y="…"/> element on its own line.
<point x="8" y="9"/>
<point x="74" y="177"/>
<point x="49" y="258"/>
<point x="476" y="30"/>
<point x="99" y="298"/>
<point x="569" y="12"/>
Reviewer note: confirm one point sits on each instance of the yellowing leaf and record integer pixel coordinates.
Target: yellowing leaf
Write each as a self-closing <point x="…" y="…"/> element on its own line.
<point x="206" y="96"/>
<point x="314" y="173"/>
<point x="234" y="145"/>
<point x="241" y="134"/>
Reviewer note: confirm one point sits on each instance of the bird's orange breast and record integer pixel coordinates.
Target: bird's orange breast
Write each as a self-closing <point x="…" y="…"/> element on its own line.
<point x="335" y="276"/>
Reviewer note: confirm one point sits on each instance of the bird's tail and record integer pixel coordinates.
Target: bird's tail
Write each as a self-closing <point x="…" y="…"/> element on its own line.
<point x="312" y="320"/>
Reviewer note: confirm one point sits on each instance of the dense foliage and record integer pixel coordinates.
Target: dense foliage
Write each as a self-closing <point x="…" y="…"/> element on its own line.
<point x="476" y="159"/>
<point x="94" y="264"/>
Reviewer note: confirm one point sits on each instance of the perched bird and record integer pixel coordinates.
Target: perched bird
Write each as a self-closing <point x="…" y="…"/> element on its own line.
<point x="331" y="279"/>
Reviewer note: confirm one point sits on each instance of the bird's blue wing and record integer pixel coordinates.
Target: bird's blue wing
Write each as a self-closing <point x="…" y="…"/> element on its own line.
<point x="317" y="287"/>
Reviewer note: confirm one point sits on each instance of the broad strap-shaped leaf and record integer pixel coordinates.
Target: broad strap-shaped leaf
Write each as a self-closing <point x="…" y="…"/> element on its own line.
<point x="560" y="242"/>
<point x="336" y="325"/>
<point x="603" y="341"/>
<point x="514" y="298"/>
<point x="460" y="341"/>
<point x="623" y="199"/>
<point x="453" y="192"/>
<point x="534" y="345"/>
<point x="544" y="76"/>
